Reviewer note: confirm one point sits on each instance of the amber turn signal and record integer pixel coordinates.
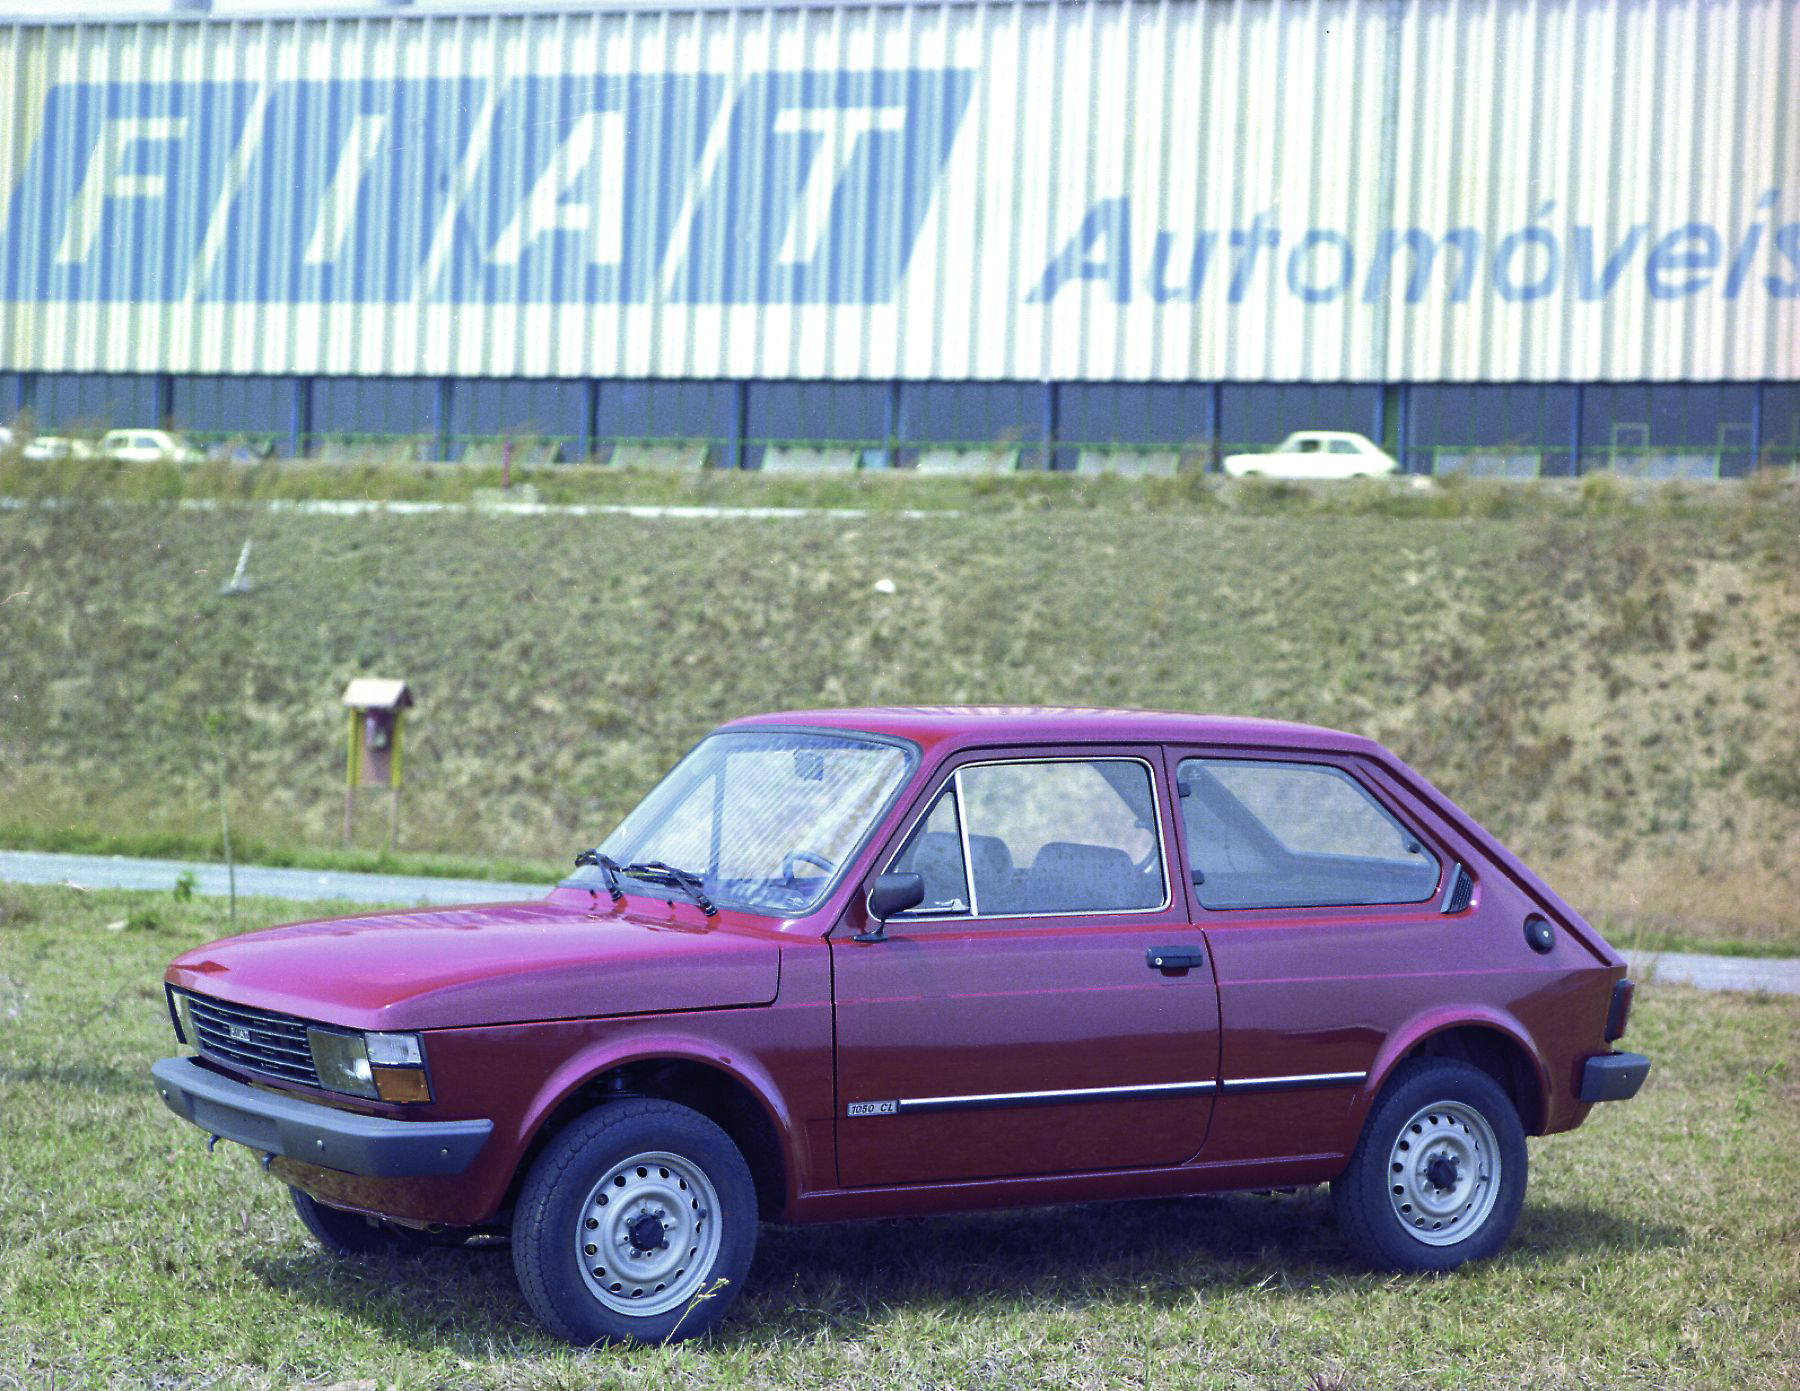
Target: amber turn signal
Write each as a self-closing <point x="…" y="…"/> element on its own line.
<point x="401" y="1083"/>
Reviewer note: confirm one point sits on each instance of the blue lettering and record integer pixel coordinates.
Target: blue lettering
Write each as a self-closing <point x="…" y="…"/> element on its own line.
<point x="1298" y="263"/>
<point x="1787" y="246"/>
<point x="823" y="187"/>
<point x="342" y="199"/>
<point x="1466" y="242"/>
<point x="1108" y="222"/>
<point x="115" y="201"/>
<point x="1247" y="243"/>
<point x="1581" y="240"/>
<point x="1693" y="246"/>
<point x="578" y="193"/>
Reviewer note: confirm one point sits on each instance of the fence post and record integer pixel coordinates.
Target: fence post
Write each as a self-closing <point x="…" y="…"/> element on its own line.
<point x="1756" y="426"/>
<point x="1575" y="432"/>
<point x="740" y="423"/>
<point x="1215" y="426"/>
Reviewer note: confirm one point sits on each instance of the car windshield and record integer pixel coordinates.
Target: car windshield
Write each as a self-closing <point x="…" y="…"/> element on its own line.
<point x="766" y="820"/>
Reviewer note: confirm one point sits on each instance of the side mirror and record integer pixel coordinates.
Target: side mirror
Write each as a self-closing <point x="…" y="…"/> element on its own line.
<point x="893" y="893"/>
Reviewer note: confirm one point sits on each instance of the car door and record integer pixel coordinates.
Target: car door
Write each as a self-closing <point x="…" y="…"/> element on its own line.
<point x="1319" y="898"/>
<point x="1307" y="458"/>
<point x="1048" y="1008"/>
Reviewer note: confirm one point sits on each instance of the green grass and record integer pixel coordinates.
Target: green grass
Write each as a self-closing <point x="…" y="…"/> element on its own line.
<point x="1612" y="686"/>
<point x="876" y="490"/>
<point x="1657" y="1247"/>
<point x="176" y="845"/>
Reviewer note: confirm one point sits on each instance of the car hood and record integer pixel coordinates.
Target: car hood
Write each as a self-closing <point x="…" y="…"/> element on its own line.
<point x="500" y="963"/>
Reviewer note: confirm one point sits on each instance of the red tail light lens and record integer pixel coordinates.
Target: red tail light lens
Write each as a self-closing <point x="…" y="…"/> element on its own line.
<point x="1620" y="1009"/>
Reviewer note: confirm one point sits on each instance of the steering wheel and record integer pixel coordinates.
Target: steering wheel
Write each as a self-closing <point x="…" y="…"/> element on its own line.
<point x="794" y="857"/>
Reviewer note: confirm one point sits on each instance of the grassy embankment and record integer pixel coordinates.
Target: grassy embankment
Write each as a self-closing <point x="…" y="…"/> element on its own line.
<point x="1657" y="1247"/>
<point x="1610" y="681"/>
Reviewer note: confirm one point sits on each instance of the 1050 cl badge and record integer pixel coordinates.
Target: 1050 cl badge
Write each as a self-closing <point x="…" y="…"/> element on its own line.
<point x="871" y="1108"/>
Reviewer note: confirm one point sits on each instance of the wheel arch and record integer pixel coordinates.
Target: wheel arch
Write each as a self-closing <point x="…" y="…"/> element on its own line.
<point x="731" y="1092"/>
<point x="1496" y="1045"/>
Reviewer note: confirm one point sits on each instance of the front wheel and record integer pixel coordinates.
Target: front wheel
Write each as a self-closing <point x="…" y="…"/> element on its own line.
<point x="1438" y="1175"/>
<point x="349" y="1235"/>
<point x="636" y="1224"/>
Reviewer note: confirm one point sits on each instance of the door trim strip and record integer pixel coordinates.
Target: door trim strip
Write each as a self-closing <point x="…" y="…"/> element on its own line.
<point x="1303" y="1081"/>
<point x="912" y="1105"/>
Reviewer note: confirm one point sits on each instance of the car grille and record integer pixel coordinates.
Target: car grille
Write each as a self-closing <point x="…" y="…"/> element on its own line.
<point x="257" y="1039"/>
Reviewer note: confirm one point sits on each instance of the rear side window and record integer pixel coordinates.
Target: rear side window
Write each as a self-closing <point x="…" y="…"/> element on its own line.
<point x="1043" y="837"/>
<point x="1295" y="835"/>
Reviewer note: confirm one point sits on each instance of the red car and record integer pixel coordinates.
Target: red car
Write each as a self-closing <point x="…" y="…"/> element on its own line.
<point x="861" y="963"/>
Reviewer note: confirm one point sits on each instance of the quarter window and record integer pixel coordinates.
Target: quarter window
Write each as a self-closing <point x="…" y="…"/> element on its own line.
<point x="1295" y="835"/>
<point x="1048" y="836"/>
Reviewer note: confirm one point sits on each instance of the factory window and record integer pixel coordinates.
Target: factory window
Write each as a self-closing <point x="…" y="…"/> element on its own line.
<point x="815" y="424"/>
<point x="543" y="421"/>
<point x="1490" y="431"/>
<point x="1253" y="416"/>
<point x="250" y="416"/>
<point x="1780" y="427"/>
<point x="976" y="426"/>
<point x="1094" y="419"/>
<point x="665" y="424"/>
<point x="374" y="418"/>
<point x="94" y="403"/>
<point x="1668" y="430"/>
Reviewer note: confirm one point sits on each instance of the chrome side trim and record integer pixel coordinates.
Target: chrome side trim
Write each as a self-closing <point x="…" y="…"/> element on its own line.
<point x="986" y="1100"/>
<point x="1300" y="1081"/>
<point x="1144" y="1091"/>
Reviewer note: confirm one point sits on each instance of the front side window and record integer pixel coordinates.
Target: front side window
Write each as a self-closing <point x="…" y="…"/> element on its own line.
<point x="767" y="820"/>
<point x="1295" y="835"/>
<point x="1050" y="836"/>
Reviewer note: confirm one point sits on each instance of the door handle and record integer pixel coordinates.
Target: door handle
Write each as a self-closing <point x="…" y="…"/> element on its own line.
<point x="1169" y="960"/>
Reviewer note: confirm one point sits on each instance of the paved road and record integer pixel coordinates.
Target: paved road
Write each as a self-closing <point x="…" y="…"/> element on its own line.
<point x="1779" y="975"/>
<point x="119" y="872"/>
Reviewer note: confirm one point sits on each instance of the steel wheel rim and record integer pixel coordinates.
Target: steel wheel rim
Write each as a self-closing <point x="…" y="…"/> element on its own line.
<point x="1443" y="1174"/>
<point x="648" y="1233"/>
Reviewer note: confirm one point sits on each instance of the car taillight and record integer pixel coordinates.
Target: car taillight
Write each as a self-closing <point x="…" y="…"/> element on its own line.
<point x="1620" y="1009"/>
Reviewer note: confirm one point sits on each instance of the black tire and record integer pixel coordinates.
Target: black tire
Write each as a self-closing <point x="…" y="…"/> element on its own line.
<point x="348" y="1235"/>
<point x="562" y="1203"/>
<point x="1426" y="1116"/>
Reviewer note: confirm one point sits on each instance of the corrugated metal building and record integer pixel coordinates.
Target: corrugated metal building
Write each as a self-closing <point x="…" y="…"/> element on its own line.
<point x="1501" y="234"/>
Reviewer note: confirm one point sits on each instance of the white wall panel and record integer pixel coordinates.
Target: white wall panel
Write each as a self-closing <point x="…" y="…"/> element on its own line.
<point x="1178" y="190"/>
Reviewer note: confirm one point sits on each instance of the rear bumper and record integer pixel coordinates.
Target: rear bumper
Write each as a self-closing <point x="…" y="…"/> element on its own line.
<point x="274" y="1124"/>
<point x="1613" y="1076"/>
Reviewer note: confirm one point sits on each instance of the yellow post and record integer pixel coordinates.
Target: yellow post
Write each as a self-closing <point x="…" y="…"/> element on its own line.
<point x="352" y="769"/>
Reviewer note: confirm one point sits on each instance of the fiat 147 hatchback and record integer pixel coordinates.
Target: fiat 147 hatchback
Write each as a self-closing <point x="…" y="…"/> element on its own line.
<point x="859" y="963"/>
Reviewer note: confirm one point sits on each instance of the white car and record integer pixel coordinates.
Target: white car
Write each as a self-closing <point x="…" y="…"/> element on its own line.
<point x="148" y="447"/>
<point x="46" y="448"/>
<point x="1316" y="454"/>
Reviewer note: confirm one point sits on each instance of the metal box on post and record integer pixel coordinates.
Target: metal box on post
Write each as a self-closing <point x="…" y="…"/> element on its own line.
<point x="376" y="705"/>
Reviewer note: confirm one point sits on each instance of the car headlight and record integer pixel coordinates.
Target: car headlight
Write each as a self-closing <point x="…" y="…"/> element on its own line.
<point x="183" y="1016"/>
<point x="382" y="1067"/>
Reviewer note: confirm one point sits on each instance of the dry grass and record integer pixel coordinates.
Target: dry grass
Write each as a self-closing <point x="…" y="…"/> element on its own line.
<point x="1611" y="686"/>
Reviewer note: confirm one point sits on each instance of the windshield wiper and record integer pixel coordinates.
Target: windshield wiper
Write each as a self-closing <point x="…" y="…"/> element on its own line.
<point x="608" y="869"/>
<point x="656" y="872"/>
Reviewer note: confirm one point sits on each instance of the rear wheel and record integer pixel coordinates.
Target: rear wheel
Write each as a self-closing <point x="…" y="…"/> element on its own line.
<point x="636" y="1224"/>
<point x="1438" y="1175"/>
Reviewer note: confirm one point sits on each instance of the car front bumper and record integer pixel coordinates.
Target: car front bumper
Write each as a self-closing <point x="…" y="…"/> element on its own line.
<point x="1613" y="1076"/>
<point x="274" y="1124"/>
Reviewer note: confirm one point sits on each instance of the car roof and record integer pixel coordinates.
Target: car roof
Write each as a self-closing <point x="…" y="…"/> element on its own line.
<point x="960" y="726"/>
